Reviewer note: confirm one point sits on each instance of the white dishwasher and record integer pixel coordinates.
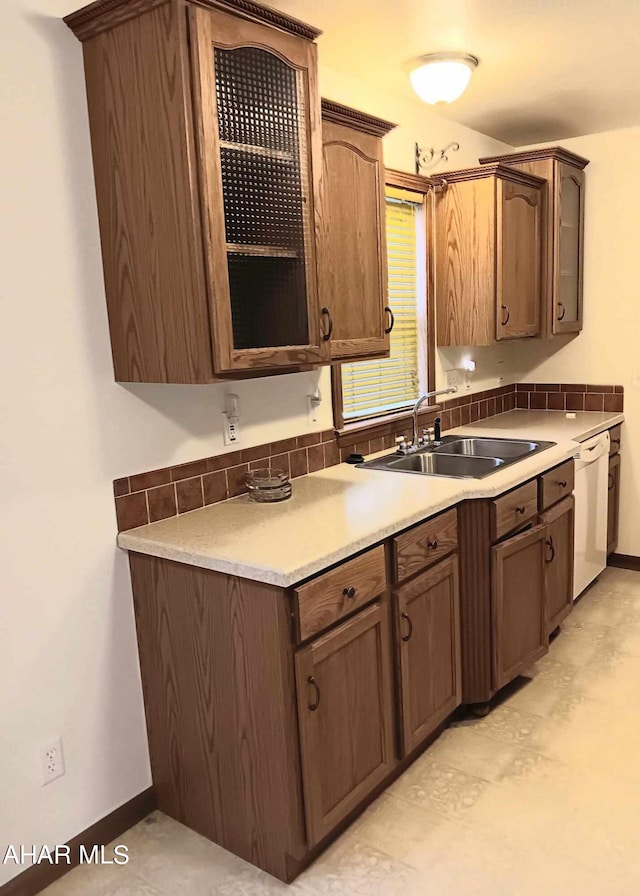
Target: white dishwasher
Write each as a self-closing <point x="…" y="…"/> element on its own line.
<point x="592" y="475"/>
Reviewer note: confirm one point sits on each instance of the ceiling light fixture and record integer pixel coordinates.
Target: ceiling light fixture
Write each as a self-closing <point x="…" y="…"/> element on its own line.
<point x="441" y="77"/>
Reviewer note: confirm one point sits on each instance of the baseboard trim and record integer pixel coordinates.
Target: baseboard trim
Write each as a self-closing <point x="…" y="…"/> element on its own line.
<point x="624" y="561"/>
<point x="36" y="878"/>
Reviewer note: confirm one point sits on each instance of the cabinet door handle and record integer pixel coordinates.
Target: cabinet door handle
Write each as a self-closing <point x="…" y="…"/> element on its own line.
<point x="392" y="320"/>
<point x="612" y="481"/>
<point x="615" y="442"/>
<point x="349" y="592"/>
<point x="327" y="335"/>
<point x="562" y="483"/>
<point x="520" y="508"/>
<point x="407" y="637"/>
<point x="505" y="320"/>
<point x="549" y="543"/>
<point x="314" y="684"/>
<point x="564" y="310"/>
<point x="433" y="544"/>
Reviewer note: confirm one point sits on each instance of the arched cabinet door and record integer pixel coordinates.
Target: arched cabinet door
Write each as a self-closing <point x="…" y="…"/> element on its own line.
<point x="352" y="255"/>
<point x="519" y="258"/>
<point x="257" y="116"/>
<point x="569" y="248"/>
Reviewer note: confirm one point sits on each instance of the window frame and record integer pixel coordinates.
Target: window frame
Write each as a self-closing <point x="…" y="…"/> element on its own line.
<point x="382" y="423"/>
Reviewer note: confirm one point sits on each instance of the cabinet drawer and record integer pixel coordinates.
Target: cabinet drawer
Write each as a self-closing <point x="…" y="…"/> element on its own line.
<point x="513" y="509"/>
<point x="424" y="544"/>
<point x="615" y="439"/>
<point x="556" y="484"/>
<point x="327" y="598"/>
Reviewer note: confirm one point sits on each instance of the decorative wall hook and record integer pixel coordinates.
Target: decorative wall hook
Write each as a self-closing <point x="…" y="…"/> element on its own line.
<point x="429" y="158"/>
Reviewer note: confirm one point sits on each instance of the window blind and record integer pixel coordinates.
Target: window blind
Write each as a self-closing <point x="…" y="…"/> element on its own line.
<point x="370" y="388"/>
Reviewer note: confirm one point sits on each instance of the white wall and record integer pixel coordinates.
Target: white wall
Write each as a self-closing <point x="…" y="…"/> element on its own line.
<point x="607" y="350"/>
<point x="68" y="661"/>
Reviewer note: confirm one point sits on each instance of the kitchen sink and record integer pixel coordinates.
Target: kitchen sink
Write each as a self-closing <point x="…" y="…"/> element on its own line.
<point x="502" y="448"/>
<point x="460" y="458"/>
<point x="446" y="464"/>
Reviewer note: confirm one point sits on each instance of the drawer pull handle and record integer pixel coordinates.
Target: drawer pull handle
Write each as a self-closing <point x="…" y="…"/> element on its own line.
<point x="549" y="543"/>
<point x="433" y="544"/>
<point x="612" y="481"/>
<point x="505" y="320"/>
<point x="520" y="508"/>
<point x="314" y="684"/>
<point x="392" y="320"/>
<point x="562" y="483"/>
<point x="349" y="592"/>
<point x="563" y="312"/>
<point x="329" y="331"/>
<point x="615" y="441"/>
<point x="407" y="637"/>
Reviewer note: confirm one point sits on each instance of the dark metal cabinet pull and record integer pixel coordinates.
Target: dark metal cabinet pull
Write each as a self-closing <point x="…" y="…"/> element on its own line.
<point x="549" y="543"/>
<point x="314" y="684"/>
<point x="392" y="320"/>
<point x="564" y="310"/>
<point x="407" y="637"/>
<point x="562" y="483"/>
<point x="505" y="320"/>
<point x="327" y="336"/>
<point x="433" y="544"/>
<point x="520" y="509"/>
<point x="612" y="481"/>
<point x="615" y="441"/>
<point x="349" y="592"/>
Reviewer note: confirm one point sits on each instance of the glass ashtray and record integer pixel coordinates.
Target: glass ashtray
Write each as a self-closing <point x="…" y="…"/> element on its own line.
<point x="268" y="485"/>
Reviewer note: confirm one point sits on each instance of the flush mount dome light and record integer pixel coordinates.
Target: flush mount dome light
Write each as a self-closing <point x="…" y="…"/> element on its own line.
<point x="441" y="77"/>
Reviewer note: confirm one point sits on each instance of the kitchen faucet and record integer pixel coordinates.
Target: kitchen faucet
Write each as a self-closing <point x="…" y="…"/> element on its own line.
<point x="417" y="444"/>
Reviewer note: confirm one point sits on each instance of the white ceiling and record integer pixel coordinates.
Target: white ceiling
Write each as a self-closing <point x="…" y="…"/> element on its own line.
<point x="549" y="69"/>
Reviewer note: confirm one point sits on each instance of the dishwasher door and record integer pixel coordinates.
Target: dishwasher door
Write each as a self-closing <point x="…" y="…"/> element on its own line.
<point x="592" y="474"/>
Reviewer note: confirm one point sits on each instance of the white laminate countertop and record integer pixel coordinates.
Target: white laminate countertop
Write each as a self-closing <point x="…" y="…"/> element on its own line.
<point x="337" y="512"/>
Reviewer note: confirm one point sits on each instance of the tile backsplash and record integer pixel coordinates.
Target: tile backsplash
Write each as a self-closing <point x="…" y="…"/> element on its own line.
<point x="159" y="494"/>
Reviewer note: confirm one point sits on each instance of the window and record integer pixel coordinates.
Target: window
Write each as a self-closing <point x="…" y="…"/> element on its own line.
<point x="376" y="388"/>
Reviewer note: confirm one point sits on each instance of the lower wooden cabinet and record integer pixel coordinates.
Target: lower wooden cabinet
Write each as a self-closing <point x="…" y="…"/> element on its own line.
<point x="519" y="626"/>
<point x="559" y="521"/>
<point x="427" y="618"/>
<point x="345" y="714"/>
<point x="613" y="506"/>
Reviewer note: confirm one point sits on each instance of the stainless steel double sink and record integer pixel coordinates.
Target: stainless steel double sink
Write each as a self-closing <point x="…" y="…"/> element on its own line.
<point x="460" y="457"/>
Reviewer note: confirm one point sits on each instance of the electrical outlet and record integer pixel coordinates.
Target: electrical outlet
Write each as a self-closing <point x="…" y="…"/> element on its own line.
<point x="52" y="762"/>
<point x="231" y="432"/>
<point x="453" y="378"/>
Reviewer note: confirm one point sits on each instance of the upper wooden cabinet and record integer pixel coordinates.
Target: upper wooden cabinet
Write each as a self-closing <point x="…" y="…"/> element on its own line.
<point x="487" y="244"/>
<point x="563" y="252"/>
<point x="352" y="255"/>
<point x="206" y="135"/>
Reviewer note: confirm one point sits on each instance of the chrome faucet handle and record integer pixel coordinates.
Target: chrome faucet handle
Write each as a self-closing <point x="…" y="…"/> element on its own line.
<point x="401" y="445"/>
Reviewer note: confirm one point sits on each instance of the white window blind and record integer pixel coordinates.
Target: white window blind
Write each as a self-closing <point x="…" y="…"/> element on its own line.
<point x="370" y="388"/>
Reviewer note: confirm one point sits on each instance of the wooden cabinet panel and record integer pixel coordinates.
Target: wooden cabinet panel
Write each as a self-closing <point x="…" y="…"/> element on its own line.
<point x="487" y="255"/>
<point x="519" y="623"/>
<point x="345" y="716"/>
<point x="425" y="544"/>
<point x="613" y="504"/>
<point x="556" y="484"/>
<point x="519" y="255"/>
<point x="614" y="434"/>
<point x="563" y="232"/>
<point x="427" y="618"/>
<point x="510" y="511"/>
<point x="260" y="172"/>
<point x="559" y="561"/>
<point x="327" y="598"/>
<point x="352" y="253"/>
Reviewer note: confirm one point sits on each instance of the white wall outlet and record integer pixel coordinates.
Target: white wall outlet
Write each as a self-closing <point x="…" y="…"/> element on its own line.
<point x="52" y="762"/>
<point x="453" y="378"/>
<point x="231" y="432"/>
<point x="313" y="403"/>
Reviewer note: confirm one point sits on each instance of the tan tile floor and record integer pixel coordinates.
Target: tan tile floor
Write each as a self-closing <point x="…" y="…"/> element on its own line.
<point x="540" y="797"/>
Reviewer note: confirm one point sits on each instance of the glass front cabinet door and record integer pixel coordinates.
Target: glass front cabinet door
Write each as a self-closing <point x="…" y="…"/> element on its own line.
<point x="257" y="114"/>
<point x="569" y="185"/>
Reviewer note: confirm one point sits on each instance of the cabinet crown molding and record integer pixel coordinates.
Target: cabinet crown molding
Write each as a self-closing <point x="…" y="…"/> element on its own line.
<point x="353" y="118"/>
<point x="558" y="153"/>
<point x="102" y="15"/>
<point x="493" y="170"/>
